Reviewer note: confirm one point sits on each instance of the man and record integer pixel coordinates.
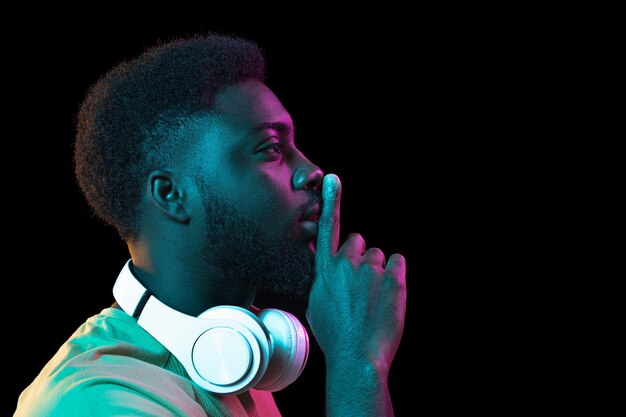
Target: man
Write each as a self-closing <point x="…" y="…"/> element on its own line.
<point x="191" y="158"/>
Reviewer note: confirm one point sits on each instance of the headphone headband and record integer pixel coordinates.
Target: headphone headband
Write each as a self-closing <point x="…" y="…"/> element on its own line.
<point x="227" y="349"/>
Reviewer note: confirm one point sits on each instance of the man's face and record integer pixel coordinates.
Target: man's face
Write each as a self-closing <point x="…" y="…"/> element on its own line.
<point x="260" y="193"/>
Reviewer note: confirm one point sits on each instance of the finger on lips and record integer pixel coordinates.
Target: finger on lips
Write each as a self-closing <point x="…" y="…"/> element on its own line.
<point x="328" y="224"/>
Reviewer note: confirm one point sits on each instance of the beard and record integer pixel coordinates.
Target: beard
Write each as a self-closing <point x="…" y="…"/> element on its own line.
<point x="249" y="256"/>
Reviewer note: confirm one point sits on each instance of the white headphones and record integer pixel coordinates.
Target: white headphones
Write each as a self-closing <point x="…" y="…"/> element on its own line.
<point x="226" y="349"/>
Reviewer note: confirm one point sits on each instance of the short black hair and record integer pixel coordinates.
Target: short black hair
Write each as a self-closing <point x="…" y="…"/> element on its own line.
<point x="126" y="122"/>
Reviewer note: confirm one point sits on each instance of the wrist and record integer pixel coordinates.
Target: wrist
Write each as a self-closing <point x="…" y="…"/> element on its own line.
<point x="368" y="367"/>
<point x="353" y="369"/>
<point x="357" y="387"/>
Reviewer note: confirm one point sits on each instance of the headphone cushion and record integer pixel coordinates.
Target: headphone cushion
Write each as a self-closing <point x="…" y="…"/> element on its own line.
<point x="290" y="349"/>
<point x="246" y="325"/>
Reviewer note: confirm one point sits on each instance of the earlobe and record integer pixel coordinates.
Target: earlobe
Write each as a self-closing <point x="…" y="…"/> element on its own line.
<point x="168" y="196"/>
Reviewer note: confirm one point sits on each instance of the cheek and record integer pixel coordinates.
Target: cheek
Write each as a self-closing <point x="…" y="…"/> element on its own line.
<point x="266" y="196"/>
<point x="275" y="185"/>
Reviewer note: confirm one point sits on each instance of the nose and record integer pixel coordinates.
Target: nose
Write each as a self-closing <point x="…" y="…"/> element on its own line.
<point x="307" y="176"/>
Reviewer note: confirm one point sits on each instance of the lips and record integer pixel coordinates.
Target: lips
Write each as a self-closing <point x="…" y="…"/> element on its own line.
<point x="313" y="217"/>
<point x="310" y="229"/>
<point x="312" y="213"/>
<point x="309" y="219"/>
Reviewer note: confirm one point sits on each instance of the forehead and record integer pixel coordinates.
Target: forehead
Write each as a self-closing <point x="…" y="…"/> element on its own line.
<point x="250" y="102"/>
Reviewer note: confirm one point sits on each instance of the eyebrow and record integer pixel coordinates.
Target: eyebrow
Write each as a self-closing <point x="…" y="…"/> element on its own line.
<point x="280" y="127"/>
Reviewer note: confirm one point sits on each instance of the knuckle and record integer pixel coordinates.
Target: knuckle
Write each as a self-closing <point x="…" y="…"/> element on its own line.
<point x="368" y="268"/>
<point x="346" y="261"/>
<point x="356" y="238"/>
<point x="399" y="259"/>
<point x="348" y="264"/>
<point x="395" y="280"/>
<point x="327" y="222"/>
<point x="375" y="252"/>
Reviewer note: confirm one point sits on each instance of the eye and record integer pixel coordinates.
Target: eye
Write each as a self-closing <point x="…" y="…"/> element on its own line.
<point x="273" y="150"/>
<point x="276" y="148"/>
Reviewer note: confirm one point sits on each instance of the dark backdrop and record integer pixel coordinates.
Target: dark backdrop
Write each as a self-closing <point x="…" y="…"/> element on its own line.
<point x="445" y="131"/>
<point x="365" y="108"/>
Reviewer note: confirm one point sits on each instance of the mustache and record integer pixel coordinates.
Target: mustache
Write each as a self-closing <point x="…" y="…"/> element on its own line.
<point x="316" y="197"/>
<point x="316" y="200"/>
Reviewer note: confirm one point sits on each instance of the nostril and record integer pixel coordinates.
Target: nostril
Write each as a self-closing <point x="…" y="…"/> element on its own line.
<point x="309" y="177"/>
<point x="315" y="178"/>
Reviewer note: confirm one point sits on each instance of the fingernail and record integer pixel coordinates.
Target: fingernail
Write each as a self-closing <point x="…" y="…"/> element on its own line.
<point x="331" y="184"/>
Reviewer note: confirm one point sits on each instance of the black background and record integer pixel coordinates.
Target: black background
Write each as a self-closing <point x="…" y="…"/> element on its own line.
<point x="356" y="99"/>
<point x="435" y="126"/>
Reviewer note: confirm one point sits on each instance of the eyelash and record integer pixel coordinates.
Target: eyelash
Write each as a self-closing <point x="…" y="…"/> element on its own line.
<point x="275" y="148"/>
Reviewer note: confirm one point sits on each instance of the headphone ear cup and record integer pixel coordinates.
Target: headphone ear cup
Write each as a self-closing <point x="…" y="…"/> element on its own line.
<point x="290" y="349"/>
<point x="237" y="344"/>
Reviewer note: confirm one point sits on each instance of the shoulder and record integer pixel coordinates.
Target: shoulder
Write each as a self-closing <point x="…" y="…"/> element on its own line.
<point x="109" y="367"/>
<point x="95" y="398"/>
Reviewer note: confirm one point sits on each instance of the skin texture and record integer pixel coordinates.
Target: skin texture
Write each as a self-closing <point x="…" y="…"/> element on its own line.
<point x="223" y="247"/>
<point x="226" y="221"/>
<point x="356" y="310"/>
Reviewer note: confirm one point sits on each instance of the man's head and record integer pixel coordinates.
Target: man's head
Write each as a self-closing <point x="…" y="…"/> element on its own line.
<point x="186" y="142"/>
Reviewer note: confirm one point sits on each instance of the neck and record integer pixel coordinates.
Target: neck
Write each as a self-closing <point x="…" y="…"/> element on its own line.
<point x="185" y="284"/>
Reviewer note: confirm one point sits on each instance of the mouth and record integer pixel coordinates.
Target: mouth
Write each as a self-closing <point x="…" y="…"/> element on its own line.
<point x="312" y="218"/>
<point x="310" y="229"/>
<point x="309" y="220"/>
<point x="312" y="213"/>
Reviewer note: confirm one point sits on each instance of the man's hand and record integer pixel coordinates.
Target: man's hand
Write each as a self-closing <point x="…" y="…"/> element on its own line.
<point x="356" y="311"/>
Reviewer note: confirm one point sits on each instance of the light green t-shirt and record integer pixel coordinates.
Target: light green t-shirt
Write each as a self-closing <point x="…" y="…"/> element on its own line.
<point x="112" y="367"/>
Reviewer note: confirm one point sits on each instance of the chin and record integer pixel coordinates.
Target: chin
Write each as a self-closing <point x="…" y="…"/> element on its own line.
<point x="293" y="283"/>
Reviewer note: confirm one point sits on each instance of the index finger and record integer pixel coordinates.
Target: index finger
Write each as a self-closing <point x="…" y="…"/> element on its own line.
<point x="328" y="224"/>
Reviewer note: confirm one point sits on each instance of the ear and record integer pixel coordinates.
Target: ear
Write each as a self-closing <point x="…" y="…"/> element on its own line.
<point x="168" y="196"/>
